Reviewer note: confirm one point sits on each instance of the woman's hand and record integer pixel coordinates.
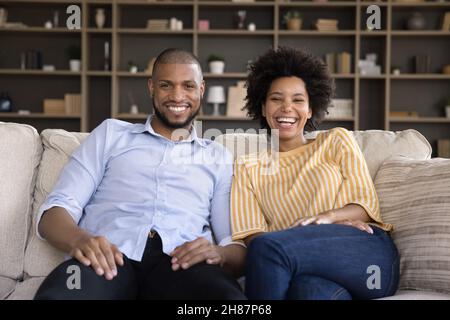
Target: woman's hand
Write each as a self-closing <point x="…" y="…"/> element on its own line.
<point x="325" y="217"/>
<point x="328" y="217"/>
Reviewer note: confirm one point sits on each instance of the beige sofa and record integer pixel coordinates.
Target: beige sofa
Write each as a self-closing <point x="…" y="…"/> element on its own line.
<point x="30" y="164"/>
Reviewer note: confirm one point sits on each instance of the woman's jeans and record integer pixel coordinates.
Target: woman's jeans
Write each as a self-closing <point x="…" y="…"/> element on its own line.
<point x="327" y="261"/>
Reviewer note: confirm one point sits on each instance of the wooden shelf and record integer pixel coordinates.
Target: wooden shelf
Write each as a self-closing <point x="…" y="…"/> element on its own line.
<point x="147" y="31"/>
<point x="425" y="33"/>
<point x="316" y="33"/>
<point x="129" y="116"/>
<point x="99" y="30"/>
<point x="38" y="115"/>
<point x="222" y="118"/>
<point x="154" y="3"/>
<point x="231" y="32"/>
<point x="232" y="75"/>
<point x="99" y="73"/>
<point x="39" y="72"/>
<point x="104" y="92"/>
<point x="420" y="119"/>
<point x="235" y="4"/>
<point x="133" y="75"/>
<point x="339" y="119"/>
<point x="424" y="76"/>
<point x="40" y="30"/>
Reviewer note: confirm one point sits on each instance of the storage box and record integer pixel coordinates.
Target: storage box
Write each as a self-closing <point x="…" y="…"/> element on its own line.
<point x="54" y="106"/>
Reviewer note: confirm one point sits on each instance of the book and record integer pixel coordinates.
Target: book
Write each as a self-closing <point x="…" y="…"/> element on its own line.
<point x="443" y="149"/>
<point x="72" y="103"/>
<point x="403" y="114"/>
<point x="446" y="22"/>
<point x="54" y="106"/>
<point x="344" y="62"/>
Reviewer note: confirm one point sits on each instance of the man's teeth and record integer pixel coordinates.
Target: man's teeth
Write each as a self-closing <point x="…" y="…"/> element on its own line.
<point x="177" y="109"/>
<point x="288" y="120"/>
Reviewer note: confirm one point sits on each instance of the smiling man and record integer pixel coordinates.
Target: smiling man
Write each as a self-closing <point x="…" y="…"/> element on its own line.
<point x="137" y="223"/>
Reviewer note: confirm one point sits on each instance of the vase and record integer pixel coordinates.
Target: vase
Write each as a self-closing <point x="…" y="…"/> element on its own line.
<point x="416" y="22"/>
<point x="100" y="18"/>
<point x="217" y="67"/>
<point x="294" y="24"/>
<point x="75" y="65"/>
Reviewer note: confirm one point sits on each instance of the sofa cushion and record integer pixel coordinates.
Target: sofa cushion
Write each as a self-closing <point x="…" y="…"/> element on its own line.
<point x="20" y="150"/>
<point x="7" y="286"/>
<point x="26" y="290"/>
<point x="417" y="295"/>
<point x="415" y="197"/>
<point x="40" y="257"/>
<point x="408" y="143"/>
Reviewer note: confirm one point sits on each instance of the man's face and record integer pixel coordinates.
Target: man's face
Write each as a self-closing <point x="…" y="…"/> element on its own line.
<point x="177" y="91"/>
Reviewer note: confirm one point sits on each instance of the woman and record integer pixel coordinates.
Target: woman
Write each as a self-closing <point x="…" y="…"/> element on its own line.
<point x="312" y="226"/>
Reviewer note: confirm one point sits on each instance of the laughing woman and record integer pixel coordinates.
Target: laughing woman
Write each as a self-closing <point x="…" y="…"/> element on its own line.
<point x="313" y="226"/>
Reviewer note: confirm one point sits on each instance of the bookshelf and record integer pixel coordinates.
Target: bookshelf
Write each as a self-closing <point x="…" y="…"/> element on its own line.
<point x="106" y="93"/>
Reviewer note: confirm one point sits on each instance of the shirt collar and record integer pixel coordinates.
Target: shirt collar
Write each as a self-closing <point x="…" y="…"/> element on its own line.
<point x="147" y="127"/>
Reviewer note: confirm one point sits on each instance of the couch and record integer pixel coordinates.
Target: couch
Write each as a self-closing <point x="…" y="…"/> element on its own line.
<point x="30" y="164"/>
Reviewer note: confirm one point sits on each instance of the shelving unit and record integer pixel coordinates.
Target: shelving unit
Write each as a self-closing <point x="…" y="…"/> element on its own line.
<point x="106" y="93"/>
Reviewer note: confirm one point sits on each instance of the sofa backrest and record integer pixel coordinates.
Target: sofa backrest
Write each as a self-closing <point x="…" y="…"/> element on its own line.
<point x="376" y="145"/>
<point x="41" y="258"/>
<point x="20" y="155"/>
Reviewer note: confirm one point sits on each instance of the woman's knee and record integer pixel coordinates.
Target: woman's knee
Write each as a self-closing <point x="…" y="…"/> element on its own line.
<point x="263" y="246"/>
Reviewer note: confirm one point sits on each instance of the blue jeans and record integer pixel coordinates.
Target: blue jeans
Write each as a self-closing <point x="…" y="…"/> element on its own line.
<point x="328" y="261"/>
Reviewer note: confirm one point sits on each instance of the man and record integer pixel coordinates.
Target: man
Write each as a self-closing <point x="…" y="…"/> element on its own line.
<point x="135" y="205"/>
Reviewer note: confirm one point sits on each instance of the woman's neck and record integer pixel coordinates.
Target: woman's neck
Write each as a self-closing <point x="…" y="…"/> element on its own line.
<point x="288" y="145"/>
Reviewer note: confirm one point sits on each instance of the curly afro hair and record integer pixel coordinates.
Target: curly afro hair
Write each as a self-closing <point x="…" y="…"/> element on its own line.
<point x="288" y="62"/>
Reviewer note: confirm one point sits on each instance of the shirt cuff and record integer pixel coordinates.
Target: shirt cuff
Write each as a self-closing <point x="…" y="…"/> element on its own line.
<point x="228" y="240"/>
<point x="44" y="208"/>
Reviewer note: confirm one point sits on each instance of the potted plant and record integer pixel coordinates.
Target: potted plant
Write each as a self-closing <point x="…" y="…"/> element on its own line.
<point x="216" y="63"/>
<point x="74" y="54"/>
<point x="293" y="20"/>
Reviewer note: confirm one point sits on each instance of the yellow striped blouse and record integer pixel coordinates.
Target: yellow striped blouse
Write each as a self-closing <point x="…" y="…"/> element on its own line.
<point x="325" y="174"/>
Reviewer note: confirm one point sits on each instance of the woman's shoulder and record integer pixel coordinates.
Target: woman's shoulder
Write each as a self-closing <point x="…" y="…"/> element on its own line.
<point x="335" y="134"/>
<point x="252" y="159"/>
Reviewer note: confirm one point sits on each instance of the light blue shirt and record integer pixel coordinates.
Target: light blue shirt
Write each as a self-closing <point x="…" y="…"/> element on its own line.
<point x="125" y="180"/>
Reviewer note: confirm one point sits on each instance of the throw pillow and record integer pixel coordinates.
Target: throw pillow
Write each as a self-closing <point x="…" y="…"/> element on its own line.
<point x="414" y="196"/>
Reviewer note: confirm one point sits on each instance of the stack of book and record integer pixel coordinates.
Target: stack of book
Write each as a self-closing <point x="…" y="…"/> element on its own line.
<point x="327" y="24"/>
<point x="339" y="62"/>
<point x="340" y="108"/>
<point x="158" y="24"/>
<point x="72" y="103"/>
<point x="422" y="63"/>
<point x="443" y="148"/>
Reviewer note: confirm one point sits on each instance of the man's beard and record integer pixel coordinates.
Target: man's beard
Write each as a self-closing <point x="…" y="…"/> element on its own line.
<point x="174" y="125"/>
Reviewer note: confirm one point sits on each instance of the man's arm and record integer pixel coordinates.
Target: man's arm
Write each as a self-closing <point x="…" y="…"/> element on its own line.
<point x="59" y="215"/>
<point x="60" y="230"/>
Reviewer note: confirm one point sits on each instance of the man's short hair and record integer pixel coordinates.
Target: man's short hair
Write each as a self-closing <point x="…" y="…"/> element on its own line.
<point x="174" y="55"/>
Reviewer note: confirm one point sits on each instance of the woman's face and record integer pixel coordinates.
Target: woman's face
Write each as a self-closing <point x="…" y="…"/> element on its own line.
<point x="287" y="107"/>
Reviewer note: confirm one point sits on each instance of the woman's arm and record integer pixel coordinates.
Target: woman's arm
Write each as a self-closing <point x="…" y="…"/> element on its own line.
<point x="351" y="214"/>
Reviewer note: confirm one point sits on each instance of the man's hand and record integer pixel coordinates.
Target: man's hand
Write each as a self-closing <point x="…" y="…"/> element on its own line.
<point x="98" y="253"/>
<point x="328" y="217"/>
<point x="194" y="252"/>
